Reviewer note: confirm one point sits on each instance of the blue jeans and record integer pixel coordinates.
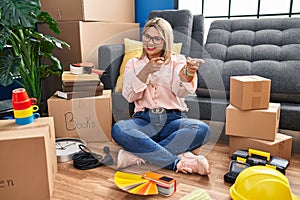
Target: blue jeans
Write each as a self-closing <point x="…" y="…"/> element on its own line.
<point x="159" y="138"/>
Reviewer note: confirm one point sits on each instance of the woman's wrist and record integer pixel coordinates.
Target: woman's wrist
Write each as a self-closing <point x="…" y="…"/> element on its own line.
<point x="186" y="73"/>
<point x="184" y="77"/>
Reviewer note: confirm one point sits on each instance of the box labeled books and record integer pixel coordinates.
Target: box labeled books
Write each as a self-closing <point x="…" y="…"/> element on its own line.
<point x="88" y="118"/>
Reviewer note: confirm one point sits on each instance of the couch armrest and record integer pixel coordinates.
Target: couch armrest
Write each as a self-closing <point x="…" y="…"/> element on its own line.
<point x="110" y="59"/>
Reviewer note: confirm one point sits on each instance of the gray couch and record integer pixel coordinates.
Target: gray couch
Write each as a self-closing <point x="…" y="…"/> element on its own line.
<point x="267" y="47"/>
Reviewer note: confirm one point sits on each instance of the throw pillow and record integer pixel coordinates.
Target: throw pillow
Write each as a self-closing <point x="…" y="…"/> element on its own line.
<point x="134" y="49"/>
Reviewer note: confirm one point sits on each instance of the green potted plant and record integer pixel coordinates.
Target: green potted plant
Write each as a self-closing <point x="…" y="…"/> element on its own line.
<point x="25" y="54"/>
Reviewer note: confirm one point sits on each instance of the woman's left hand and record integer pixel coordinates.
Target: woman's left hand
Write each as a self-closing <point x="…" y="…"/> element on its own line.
<point x="192" y="64"/>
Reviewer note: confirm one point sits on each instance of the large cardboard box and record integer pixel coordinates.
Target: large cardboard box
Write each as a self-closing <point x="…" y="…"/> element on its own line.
<point x="260" y="124"/>
<point x="250" y="92"/>
<point x="86" y="37"/>
<point x="90" y="10"/>
<point x="280" y="147"/>
<point x="28" y="159"/>
<point x="87" y="118"/>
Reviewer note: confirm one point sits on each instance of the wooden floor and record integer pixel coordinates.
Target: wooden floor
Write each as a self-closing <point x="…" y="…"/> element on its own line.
<point x="97" y="184"/>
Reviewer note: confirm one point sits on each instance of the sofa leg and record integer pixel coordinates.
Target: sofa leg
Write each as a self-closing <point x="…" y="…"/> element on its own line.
<point x="296" y="139"/>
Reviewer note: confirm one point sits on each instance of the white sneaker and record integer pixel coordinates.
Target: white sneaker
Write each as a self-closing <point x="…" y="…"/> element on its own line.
<point x="191" y="163"/>
<point x="126" y="159"/>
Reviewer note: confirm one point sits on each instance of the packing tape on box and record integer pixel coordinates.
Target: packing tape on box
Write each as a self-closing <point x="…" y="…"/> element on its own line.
<point x="76" y="70"/>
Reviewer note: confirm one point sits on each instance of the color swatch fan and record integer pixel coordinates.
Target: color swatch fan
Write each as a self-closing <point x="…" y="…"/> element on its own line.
<point x="135" y="184"/>
<point x="149" y="183"/>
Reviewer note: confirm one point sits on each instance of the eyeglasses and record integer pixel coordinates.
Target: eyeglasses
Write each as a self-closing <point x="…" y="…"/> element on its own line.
<point x="156" y="39"/>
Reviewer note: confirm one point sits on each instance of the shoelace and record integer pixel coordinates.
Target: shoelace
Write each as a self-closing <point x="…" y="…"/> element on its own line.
<point x="140" y="161"/>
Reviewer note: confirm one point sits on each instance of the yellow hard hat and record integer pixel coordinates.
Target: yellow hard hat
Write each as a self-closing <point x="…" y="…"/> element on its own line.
<point x="261" y="182"/>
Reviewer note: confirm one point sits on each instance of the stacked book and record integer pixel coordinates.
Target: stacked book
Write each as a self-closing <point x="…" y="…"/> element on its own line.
<point x="149" y="183"/>
<point x="80" y="85"/>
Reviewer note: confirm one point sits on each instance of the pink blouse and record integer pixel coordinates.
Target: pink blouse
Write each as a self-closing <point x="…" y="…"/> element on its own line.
<point x="163" y="89"/>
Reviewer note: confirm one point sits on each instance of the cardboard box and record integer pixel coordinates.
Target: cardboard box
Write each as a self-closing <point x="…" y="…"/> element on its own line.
<point x="90" y="10"/>
<point x="85" y="38"/>
<point x="87" y="118"/>
<point x="280" y="147"/>
<point x="28" y="159"/>
<point x="250" y="92"/>
<point x="260" y="124"/>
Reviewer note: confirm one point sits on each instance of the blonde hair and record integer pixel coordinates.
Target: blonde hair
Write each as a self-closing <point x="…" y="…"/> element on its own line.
<point x="166" y="31"/>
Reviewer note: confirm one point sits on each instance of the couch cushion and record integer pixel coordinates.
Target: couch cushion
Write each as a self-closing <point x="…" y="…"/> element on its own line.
<point x="110" y="58"/>
<point x="133" y="49"/>
<point x="197" y="36"/>
<point x="267" y="47"/>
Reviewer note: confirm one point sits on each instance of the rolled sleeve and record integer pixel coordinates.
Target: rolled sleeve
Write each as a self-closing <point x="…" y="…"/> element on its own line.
<point x="137" y="84"/>
<point x="133" y="87"/>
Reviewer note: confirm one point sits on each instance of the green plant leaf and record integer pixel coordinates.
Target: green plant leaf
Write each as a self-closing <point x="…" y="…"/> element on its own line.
<point x="55" y="67"/>
<point x="48" y="43"/>
<point x="23" y="49"/>
<point x="19" y="13"/>
<point x="4" y="36"/>
<point x="45" y="17"/>
<point x="9" y="68"/>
